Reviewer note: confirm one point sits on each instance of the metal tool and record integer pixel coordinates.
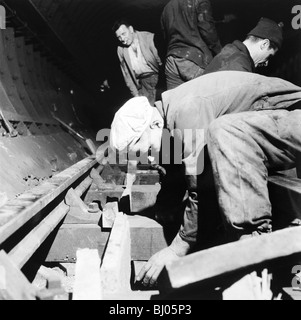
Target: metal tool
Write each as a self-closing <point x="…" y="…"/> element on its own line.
<point x="89" y="142"/>
<point x="12" y="132"/>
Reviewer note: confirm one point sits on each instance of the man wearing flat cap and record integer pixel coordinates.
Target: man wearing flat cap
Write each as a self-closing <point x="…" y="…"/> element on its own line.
<point x="261" y="44"/>
<point x="186" y="112"/>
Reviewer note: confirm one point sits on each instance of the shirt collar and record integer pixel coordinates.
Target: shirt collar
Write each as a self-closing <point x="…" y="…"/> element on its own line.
<point x="242" y="47"/>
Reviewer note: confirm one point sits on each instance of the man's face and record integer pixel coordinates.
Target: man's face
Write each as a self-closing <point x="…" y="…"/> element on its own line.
<point x="150" y="141"/>
<point x="266" y="53"/>
<point x="125" y="35"/>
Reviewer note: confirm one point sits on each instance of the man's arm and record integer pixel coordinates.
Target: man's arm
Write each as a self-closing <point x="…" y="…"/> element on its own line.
<point x="126" y="75"/>
<point x="154" y="50"/>
<point x="151" y="271"/>
<point x="206" y="26"/>
<point x="195" y="115"/>
<point x="185" y="238"/>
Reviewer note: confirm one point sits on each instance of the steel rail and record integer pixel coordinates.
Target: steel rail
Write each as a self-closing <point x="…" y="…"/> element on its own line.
<point x="21" y="210"/>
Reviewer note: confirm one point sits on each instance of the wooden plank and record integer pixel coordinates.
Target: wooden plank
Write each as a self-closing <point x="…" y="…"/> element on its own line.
<point x="116" y="267"/>
<point x="147" y="237"/>
<point x="13" y="284"/>
<point x="72" y="237"/>
<point x="250" y="287"/>
<point x="87" y="276"/>
<point x="235" y="256"/>
<point x="17" y="212"/>
<point x="291" y="294"/>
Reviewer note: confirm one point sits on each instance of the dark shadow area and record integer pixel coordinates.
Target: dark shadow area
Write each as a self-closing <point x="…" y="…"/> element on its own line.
<point x="78" y="38"/>
<point x="32" y="267"/>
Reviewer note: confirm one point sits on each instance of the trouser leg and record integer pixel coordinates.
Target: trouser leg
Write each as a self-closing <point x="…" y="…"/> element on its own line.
<point x="189" y="70"/>
<point x="173" y="79"/>
<point x="243" y="148"/>
<point x="149" y="88"/>
<point x="179" y="71"/>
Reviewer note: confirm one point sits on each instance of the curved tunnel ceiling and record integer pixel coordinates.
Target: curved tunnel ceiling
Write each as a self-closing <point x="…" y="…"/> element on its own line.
<point x="77" y="33"/>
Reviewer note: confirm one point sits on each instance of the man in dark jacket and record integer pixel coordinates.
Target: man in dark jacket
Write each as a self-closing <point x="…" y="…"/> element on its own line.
<point x="245" y="147"/>
<point x="262" y="43"/>
<point x="192" y="40"/>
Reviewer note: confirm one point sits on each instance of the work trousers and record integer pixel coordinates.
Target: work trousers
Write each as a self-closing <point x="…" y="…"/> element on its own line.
<point x="179" y="71"/>
<point x="149" y="87"/>
<point x="243" y="149"/>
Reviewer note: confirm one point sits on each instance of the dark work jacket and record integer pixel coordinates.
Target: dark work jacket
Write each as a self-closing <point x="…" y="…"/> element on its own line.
<point x="189" y="109"/>
<point x="189" y="30"/>
<point x="235" y="57"/>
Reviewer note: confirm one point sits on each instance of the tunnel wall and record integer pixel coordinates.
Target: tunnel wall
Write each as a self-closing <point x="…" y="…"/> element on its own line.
<point x="33" y="145"/>
<point x="33" y="84"/>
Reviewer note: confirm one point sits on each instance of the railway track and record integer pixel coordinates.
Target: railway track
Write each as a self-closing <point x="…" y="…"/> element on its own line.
<point x="76" y="218"/>
<point x="70" y="205"/>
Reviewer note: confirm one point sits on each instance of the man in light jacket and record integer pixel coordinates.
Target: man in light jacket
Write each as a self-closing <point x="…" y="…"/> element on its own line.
<point x="187" y="112"/>
<point x="139" y="60"/>
<point x="244" y="149"/>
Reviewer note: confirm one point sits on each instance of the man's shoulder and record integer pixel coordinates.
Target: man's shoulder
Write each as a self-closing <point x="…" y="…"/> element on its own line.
<point x="235" y="50"/>
<point x="146" y="37"/>
<point x="120" y="50"/>
<point x="145" y="34"/>
<point x="236" y="46"/>
<point x="170" y="5"/>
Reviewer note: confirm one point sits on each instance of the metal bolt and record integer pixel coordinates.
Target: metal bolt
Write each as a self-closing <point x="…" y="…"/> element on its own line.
<point x="93" y="207"/>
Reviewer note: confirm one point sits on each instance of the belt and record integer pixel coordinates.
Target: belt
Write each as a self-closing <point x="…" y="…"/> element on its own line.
<point x="146" y="75"/>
